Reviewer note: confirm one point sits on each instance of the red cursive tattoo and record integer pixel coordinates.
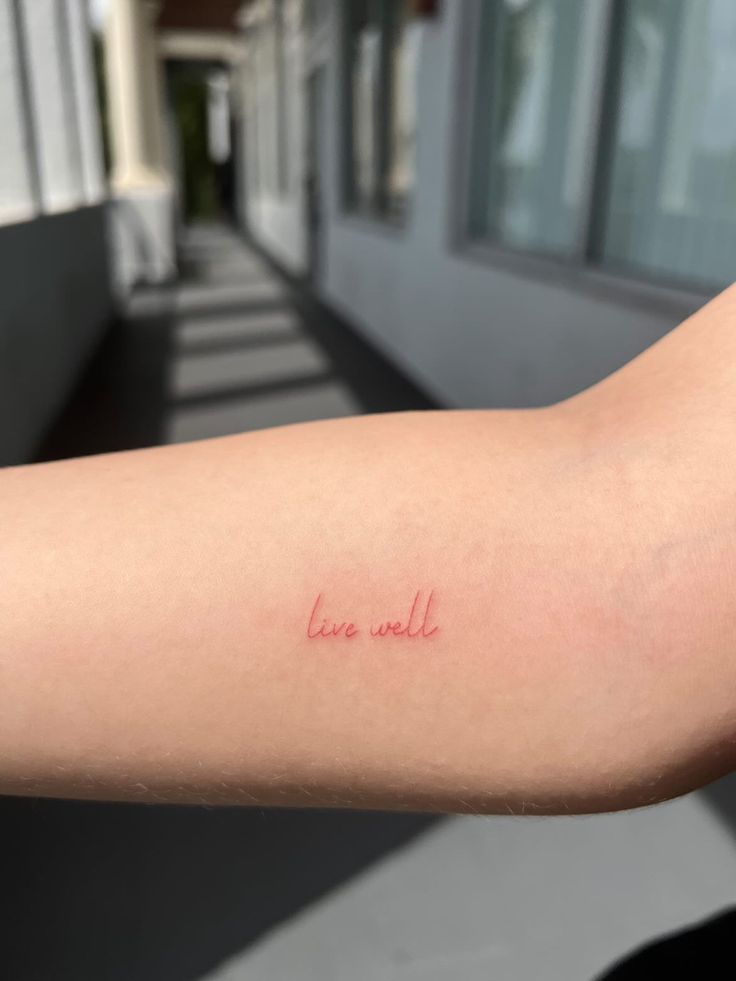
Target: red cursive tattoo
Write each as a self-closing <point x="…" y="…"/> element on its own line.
<point x="415" y="625"/>
<point x="327" y="628"/>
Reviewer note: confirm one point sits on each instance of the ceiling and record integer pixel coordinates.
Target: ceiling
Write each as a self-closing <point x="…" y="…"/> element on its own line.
<point x="198" y="15"/>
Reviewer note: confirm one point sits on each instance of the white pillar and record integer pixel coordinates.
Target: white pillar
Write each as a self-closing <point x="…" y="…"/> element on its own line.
<point x="141" y="178"/>
<point x="134" y="96"/>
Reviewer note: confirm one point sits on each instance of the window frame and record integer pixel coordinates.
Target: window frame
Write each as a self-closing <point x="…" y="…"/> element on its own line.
<point x="584" y="268"/>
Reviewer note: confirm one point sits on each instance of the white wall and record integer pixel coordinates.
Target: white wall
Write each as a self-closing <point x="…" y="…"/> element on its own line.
<point x="81" y="71"/>
<point x="53" y="106"/>
<point x="17" y="191"/>
<point x="472" y="331"/>
<point x="55" y="298"/>
<point x="277" y="224"/>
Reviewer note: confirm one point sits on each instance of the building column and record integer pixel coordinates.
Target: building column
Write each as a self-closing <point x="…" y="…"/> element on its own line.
<point x="141" y="180"/>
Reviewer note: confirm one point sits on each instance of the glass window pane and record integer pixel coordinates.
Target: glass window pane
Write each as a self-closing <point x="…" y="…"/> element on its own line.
<point x="537" y="72"/>
<point x="401" y="109"/>
<point x="316" y="13"/>
<point x="364" y="59"/>
<point x="381" y="97"/>
<point x="671" y="204"/>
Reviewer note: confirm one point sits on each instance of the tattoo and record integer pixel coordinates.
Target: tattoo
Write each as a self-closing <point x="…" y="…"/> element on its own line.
<point x="417" y="624"/>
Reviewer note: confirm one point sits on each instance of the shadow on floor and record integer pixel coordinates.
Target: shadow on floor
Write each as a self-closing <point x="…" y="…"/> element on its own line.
<point x="721" y="796"/>
<point x="101" y="892"/>
<point x="127" y="397"/>
<point x="702" y="951"/>
<point x="121" y="400"/>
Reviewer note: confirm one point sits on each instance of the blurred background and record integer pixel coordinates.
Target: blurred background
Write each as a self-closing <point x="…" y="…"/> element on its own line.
<point x="220" y="216"/>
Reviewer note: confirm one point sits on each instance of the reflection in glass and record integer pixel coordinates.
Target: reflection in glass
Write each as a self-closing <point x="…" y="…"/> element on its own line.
<point x="381" y="69"/>
<point x="401" y="109"/>
<point x="365" y="38"/>
<point x="671" y="202"/>
<point x="537" y="67"/>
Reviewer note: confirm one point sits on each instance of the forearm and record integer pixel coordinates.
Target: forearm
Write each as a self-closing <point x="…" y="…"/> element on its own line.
<point x="156" y="609"/>
<point x="162" y="621"/>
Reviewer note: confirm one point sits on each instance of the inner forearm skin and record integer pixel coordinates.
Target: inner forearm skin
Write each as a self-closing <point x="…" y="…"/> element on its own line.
<point x="460" y="611"/>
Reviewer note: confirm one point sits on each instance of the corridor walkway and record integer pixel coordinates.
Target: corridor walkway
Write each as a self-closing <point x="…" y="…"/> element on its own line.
<point x="186" y="894"/>
<point x="230" y="348"/>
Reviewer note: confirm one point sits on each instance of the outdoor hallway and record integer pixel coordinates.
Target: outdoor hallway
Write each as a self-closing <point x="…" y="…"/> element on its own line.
<point x="120" y="892"/>
<point x="184" y="893"/>
<point x="231" y="347"/>
<point x="512" y="242"/>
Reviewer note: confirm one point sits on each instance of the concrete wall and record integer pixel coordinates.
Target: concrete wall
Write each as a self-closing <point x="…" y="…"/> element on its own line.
<point x="474" y="330"/>
<point x="55" y="302"/>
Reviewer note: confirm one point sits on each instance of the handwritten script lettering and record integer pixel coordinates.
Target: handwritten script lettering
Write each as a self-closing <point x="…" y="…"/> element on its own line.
<point x="417" y="624"/>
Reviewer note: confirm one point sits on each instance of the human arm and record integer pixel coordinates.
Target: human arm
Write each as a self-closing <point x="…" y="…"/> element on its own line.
<point x="155" y="605"/>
